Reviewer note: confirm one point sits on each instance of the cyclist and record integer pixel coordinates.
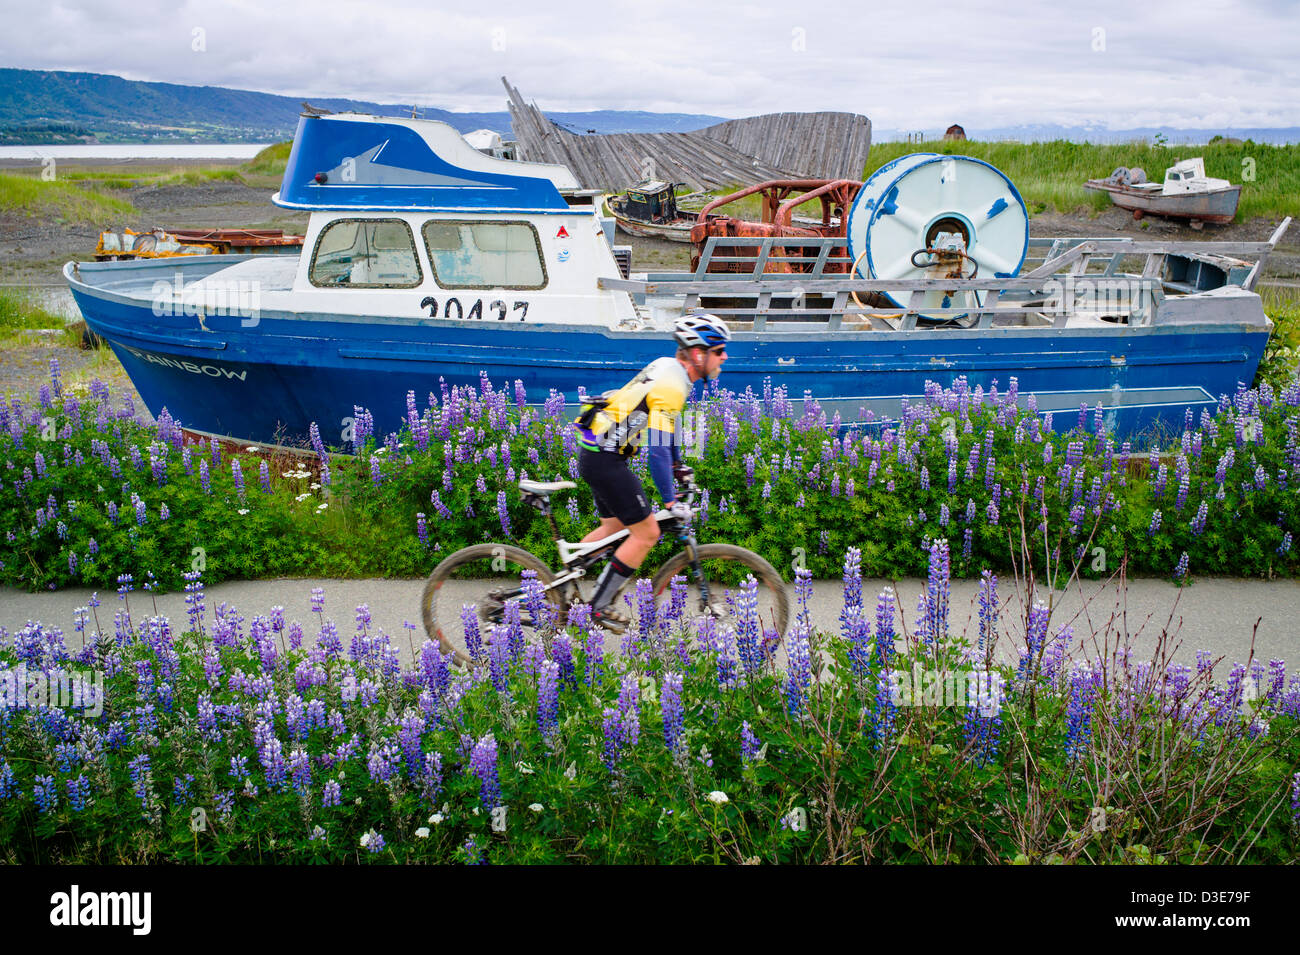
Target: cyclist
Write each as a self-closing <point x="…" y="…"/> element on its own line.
<point x="608" y="435"/>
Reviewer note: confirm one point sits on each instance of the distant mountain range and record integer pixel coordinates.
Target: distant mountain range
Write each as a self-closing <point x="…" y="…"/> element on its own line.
<point x="42" y="106"/>
<point x="38" y="106"/>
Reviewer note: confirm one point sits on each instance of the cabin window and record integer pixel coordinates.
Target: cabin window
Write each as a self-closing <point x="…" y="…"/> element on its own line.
<point x="366" y="253"/>
<point x="485" y="254"/>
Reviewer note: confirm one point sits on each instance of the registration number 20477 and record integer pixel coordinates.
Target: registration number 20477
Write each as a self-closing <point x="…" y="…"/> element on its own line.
<point x="495" y="309"/>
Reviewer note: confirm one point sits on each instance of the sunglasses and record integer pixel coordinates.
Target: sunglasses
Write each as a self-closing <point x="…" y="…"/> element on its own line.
<point x="720" y="350"/>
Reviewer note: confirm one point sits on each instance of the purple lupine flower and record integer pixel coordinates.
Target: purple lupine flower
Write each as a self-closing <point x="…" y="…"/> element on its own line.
<point x="803" y="589"/>
<point x="421" y="529"/>
<point x="1162" y="478"/>
<point x="473" y="640"/>
<point x="1198" y="522"/>
<point x="1285" y="547"/>
<point x="78" y="793"/>
<point x="141" y="513"/>
<point x="513" y="625"/>
<point x="204" y="477"/>
<point x="747" y="626"/>
<point x="799" y="672"/>
<point x="934" y="621"/>
<point x="886" y="709"/>
<point x="141" y="779"/>
<point x="548" y="698"/>
<point x="503" y="513"/>
<point x="237" y="473"/>
<point x="499" y="657"/>
<point x="483" y="763"/>
<point x="1078" y="727"/>
<point x="332" y="794"/>
<point x="46" y="794"/>
<point x="983" y="725"/>
<point x="885" y="633"/>
<point x="988" y="610"/>
<point x="749" y="744"/>
<point x="670" y="697"/>
<point x="443" y="510"/>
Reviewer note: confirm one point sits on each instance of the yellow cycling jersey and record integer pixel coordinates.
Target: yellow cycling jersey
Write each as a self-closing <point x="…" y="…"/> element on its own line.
<point x="652" y="399"/>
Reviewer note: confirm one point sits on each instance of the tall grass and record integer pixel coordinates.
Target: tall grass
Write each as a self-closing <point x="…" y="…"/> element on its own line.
<point x="1051" y="175"/>
<point x="270" y="161"/>
<point x="20" y="312"/>
<point x="58" y="199"/>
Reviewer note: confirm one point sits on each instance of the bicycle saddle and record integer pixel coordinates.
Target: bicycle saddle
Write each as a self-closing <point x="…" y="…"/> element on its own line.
<point x="544" y="487"/>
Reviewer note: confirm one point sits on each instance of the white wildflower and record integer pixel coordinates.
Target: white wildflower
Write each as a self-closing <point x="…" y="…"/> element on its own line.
<point x="437" y="818"/>
<point x="243" y="510"/>
<point x="422" y="832"/>
<point x="536" y="806"/>
<point x="717" y="797"/>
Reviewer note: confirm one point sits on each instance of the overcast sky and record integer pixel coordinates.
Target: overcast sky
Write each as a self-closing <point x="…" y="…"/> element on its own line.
<point x="907" y="64"/>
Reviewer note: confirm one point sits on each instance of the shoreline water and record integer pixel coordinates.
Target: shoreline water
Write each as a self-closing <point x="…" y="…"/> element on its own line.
<point x="132" y="152"/>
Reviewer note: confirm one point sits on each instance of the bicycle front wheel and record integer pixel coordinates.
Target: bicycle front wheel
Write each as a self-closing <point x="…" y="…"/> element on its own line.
<point x="725" y="566"/>
<point x="487" y="576"/>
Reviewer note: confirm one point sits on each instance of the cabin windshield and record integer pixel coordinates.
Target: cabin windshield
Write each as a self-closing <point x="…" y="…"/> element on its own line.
<point x="366" y="253"/>
<point x="485" y="254"/>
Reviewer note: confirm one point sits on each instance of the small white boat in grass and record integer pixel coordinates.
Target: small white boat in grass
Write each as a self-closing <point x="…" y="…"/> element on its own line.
<point x="1186" y="193"/>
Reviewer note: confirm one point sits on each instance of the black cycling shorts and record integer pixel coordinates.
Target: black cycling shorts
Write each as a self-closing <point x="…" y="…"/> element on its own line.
<point x="618" y="492"/>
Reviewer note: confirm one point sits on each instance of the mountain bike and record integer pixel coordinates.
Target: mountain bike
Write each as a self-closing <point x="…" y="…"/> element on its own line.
<point x="712" y="575"/>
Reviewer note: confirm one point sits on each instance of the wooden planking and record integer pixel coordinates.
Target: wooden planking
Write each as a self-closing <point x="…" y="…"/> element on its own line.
<point x="776" y="146"/>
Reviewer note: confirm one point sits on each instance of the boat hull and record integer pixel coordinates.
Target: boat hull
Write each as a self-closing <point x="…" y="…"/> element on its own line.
<point x="1219" y="205"/>
<point x="268" y="381"/>
<point x="679" y="230"/>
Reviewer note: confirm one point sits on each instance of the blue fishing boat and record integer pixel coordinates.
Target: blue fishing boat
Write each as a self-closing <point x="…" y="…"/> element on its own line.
<point x="427" y="263"/>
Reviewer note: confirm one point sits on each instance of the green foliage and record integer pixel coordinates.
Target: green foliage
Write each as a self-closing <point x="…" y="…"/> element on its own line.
<point x="270" y="161"/>
<point x="31" y="195"/>
<point x="19" y="311"/>
<point x="1098" y="499"/>
<point x="1052" y="174"/>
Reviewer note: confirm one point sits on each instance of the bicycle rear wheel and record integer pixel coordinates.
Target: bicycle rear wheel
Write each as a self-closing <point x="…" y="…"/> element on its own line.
<point x="488" y="576"/>
<point x="725" y="567"/>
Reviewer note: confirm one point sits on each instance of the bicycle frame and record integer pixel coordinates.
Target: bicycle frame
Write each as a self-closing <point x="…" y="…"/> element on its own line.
<point x="577" y="556"/>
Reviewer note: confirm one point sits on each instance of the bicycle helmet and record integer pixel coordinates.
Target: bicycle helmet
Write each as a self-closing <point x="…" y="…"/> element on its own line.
<point x="701" y="331"/>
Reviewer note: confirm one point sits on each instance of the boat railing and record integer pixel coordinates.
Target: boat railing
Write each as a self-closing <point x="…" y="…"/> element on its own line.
<point x="784" y="280"/>
<point x="831" y="303"/>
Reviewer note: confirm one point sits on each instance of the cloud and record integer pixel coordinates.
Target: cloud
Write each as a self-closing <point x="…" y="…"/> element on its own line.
<point x="908" y="66"/>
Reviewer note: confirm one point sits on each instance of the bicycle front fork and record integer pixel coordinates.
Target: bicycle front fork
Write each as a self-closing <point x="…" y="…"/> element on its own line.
<point x="697" y="570"/>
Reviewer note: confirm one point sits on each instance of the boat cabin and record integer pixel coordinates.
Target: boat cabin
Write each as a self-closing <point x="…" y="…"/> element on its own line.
<point x="651" y="201"/>
<point x="1189" y="176"/>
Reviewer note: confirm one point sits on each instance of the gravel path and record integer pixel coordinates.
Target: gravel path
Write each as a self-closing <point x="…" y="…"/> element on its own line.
<point x="1217" y="614"/>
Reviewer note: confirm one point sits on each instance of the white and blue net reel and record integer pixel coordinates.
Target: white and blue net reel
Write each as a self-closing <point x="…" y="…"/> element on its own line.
<point x="932" y="216"/>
